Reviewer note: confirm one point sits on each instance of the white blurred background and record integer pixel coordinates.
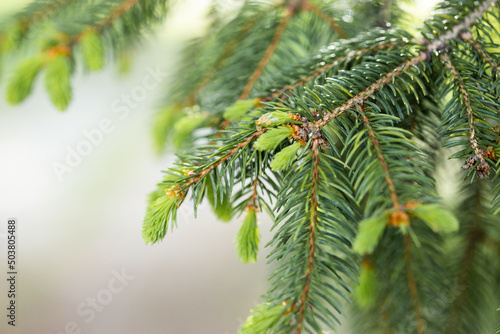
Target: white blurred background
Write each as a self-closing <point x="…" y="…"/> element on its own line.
<point x="73" y="233"/>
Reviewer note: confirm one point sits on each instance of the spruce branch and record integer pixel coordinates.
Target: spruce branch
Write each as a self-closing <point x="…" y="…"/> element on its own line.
<point x="92" y="32"/>
<point x="37" y="12"/>
<point x="338" y="139"/>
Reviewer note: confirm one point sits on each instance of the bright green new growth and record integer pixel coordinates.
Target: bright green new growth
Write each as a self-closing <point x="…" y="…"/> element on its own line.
<point x="367" y="289"/>
<point x="369" y="233"/>
<point x="45" y="27"/>
<point x="272" y="119"/>
<point x="57" y="81"/>
<point x="262" y="319"/>
<point x="158" y="216"/>
<point x="11" y="37"/>
<point x="284" y="158"/>
<point x="438" y="218"/>
<point x="247" y="240"/>
<point x="162" y="126"/>
<point x="21" y="81"/>
<point x="272" y="138"/>
<point x="236" y="111"/>
<point x="93" y="50"/>
<point x="185" y="125"/>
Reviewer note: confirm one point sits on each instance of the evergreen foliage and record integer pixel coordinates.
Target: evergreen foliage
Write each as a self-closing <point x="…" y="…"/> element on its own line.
<point x="335" y="124"/>
<point x="76" y="29"/>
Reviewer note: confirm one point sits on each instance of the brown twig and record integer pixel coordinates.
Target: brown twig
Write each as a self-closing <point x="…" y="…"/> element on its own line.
<point x="307" y="5"/>
<point x="312" y="236"/>
<point x="269" y="52"/>
<point x="255" y="186"/>
<point x="226" y="157"/>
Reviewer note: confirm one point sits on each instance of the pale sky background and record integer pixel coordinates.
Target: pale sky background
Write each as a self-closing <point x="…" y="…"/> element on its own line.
<point x="73" y="233"/>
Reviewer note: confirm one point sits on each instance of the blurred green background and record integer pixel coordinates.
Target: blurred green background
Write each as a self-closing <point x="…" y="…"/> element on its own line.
<point x="74" y="232"/>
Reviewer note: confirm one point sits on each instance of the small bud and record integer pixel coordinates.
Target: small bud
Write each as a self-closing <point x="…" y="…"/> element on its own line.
<point x="436" y="217"/>
<point x="284" y="158"/>
<point x="399" y="218"/>
<point x="247" y="240"/>
<point x="466" y="36"/>
<point x="239" y="109"/>
<point x="369" y="233"/>
<point x="21" y="81"/>
<point x="274" y="118"/>
<point x="93" y="50"/>
<point x="272" y="138"/>
<point x="57" y="81"/>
